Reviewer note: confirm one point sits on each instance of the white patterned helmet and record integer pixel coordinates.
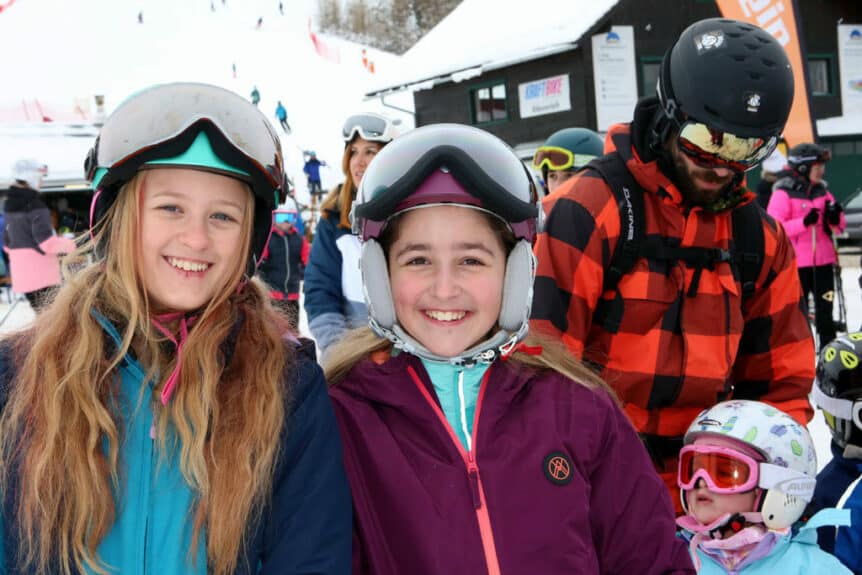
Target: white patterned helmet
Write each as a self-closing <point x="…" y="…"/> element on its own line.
<point x="787" y="474"/>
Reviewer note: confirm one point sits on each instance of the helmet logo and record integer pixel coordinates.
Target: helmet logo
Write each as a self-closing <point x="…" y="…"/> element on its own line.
<point x="707" y="422"/>
<point x="709" y="41"/>
<point x="752" y="102"/>
<point x="558" y="468"/>
<point x="849" y="359"/>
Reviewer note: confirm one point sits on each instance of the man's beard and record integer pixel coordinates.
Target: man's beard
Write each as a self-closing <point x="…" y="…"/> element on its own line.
<point x="688" y="186"/>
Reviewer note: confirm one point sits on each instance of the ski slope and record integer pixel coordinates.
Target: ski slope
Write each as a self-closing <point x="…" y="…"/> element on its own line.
<point x="65" y="52"/>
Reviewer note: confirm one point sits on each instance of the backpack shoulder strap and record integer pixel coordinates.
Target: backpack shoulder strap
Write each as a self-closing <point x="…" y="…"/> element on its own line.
<point x="748" y="246"/>
<point x="630" y="202"/>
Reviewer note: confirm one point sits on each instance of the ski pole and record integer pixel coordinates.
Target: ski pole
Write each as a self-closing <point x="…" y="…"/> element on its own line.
<point x="814" y="281"/>
<point x="9" y="311"/>
<point x="841" y="324"/>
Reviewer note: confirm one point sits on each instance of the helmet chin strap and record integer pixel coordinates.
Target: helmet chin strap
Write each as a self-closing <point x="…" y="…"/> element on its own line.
<point x="499" y="344"/>
<point x="691" y="524"/>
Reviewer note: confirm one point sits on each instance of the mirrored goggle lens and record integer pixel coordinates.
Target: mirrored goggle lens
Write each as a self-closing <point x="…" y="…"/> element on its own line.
<point x="726" y="471"/>
<point x="554" y="158"/>
<point x="132" y="128"/>
<point x="711" y="147"/>
<point x="288" y="218"/>
<point x="370" y="127"/>
<point x="494" y="158"/>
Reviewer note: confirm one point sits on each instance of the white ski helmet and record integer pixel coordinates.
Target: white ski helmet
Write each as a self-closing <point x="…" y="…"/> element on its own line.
<point x="457" y="165"/>
<point x="787" y="473"/>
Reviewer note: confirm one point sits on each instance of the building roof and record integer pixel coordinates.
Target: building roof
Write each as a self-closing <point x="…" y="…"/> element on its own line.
<point x="483" y="35"/>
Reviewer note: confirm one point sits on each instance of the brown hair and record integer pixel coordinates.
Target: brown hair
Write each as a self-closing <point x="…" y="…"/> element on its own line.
<point x="340" y="198"/>
<point x="361" y="343"/>
<point x="61" y="410"/>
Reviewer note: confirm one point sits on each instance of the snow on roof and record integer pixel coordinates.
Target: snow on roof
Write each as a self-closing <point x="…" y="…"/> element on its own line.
<point x="487" y="34"/>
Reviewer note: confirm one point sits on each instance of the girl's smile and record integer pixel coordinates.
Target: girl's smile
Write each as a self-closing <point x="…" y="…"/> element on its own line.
<point x="446" y="268"/>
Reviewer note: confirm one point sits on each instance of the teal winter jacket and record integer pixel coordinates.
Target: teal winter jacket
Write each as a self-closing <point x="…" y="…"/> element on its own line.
<point x="306" y="527"/>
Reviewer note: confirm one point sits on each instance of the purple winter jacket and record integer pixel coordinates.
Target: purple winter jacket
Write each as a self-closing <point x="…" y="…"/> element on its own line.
<point x="557" y="481"/>
<point x="792" y="198"/>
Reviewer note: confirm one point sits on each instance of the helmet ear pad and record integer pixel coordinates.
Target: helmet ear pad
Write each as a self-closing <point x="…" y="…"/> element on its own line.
<point x="781" y="510"/>
<point x="517" y="286"/>
<point x="802" y="168"/>
<point x="375" y="284"/>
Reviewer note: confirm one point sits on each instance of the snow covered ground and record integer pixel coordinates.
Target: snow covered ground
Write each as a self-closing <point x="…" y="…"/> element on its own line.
<point x="18" y="314"/>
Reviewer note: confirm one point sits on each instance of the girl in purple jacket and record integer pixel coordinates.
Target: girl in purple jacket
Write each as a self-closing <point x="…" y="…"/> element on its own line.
<point x="470" y="449"/>
<point x="810" y="215"/>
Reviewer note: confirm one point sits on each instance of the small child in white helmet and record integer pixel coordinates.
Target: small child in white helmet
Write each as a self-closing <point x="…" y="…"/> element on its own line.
<point x="746" y="474"/>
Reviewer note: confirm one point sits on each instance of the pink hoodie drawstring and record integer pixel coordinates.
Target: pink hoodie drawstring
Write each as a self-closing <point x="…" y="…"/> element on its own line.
<point x="179" y="341"/>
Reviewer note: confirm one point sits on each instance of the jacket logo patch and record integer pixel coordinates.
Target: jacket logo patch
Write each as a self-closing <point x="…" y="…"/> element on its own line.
<point x="558" y="468"/>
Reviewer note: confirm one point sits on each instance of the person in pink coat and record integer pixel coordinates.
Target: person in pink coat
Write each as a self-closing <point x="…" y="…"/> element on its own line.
<point x="801" y="201"/>
<point x="29" y="237"/>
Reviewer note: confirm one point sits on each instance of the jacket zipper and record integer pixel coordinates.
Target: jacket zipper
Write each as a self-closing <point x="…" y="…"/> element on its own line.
<point x="469" y="458"/>
<point x="286" y="262"/>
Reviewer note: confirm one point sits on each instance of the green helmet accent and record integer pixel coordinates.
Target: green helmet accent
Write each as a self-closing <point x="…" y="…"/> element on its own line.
<point x="199" y="154"/>
<point x="579" y="141"/>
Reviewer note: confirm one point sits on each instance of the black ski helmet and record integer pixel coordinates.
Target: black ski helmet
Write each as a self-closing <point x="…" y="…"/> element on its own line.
<point x="838" y="385"/>
<point x="802" y="156"/>
<point x="730" y="75"/>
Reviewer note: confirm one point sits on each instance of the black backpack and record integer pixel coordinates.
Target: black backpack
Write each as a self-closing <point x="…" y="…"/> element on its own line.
<point x="745" y="256"/>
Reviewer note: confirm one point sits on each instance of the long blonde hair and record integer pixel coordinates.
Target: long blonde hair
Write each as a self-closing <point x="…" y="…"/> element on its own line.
<point x="227" y="412"/>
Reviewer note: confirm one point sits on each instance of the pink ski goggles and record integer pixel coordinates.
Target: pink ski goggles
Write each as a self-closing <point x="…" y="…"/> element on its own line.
<point x="724" y="470"/>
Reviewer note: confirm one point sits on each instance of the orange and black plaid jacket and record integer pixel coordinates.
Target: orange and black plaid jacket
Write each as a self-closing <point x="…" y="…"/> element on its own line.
<point x="673" y="355"/>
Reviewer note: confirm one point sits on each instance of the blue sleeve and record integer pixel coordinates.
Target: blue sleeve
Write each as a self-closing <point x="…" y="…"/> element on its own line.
<point x="6" y="375"/>
<point x="310" y="528"/>
<point x="848" y="543"/>
<point x="324" y="301"/>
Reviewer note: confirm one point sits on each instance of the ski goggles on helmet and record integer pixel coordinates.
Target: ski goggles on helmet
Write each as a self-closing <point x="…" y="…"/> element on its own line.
<point x="285" y="217"/>
<point x="711" y="148"/>
<point x="371" y="127"/>
<point x="847" y="409"/>
<point x="130" y="137"/>
<point x="821" y="157"/>
<point x="556" y="158"/>
<point x="724" y="470"/>
<point x="480" y="162"/>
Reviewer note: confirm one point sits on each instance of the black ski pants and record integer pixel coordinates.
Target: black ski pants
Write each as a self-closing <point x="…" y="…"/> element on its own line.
<point x="818" y="280"/>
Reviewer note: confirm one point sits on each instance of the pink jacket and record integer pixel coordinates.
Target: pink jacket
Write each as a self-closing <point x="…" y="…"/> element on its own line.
<point x="32" y="271"/>
<point x="792" y="199"/>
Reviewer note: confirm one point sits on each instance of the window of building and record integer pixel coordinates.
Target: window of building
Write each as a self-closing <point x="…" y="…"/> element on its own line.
<point x="489" y="103"/>
<point x="650" y="67"/>
<point x="820" y="75"/>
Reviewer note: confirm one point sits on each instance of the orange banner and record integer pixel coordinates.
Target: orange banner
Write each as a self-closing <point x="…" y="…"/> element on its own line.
<point x="772" y="16"/>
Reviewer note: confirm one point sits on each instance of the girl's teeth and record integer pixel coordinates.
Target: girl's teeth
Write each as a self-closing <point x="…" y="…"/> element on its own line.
<point x="446" y="315"/>
<point x="188" y="266"/>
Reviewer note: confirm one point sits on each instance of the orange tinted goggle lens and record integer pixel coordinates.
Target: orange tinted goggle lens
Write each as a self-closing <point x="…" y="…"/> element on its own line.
<point x="725" y="471"/>
<point x="555" y="158"/>
<point x="709" y="147"/>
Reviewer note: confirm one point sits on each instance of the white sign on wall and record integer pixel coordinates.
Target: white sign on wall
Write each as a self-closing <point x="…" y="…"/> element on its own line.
<point x="546" y="96"/>
<point x="615" y="76"/>
<point x="850" y="68"/>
